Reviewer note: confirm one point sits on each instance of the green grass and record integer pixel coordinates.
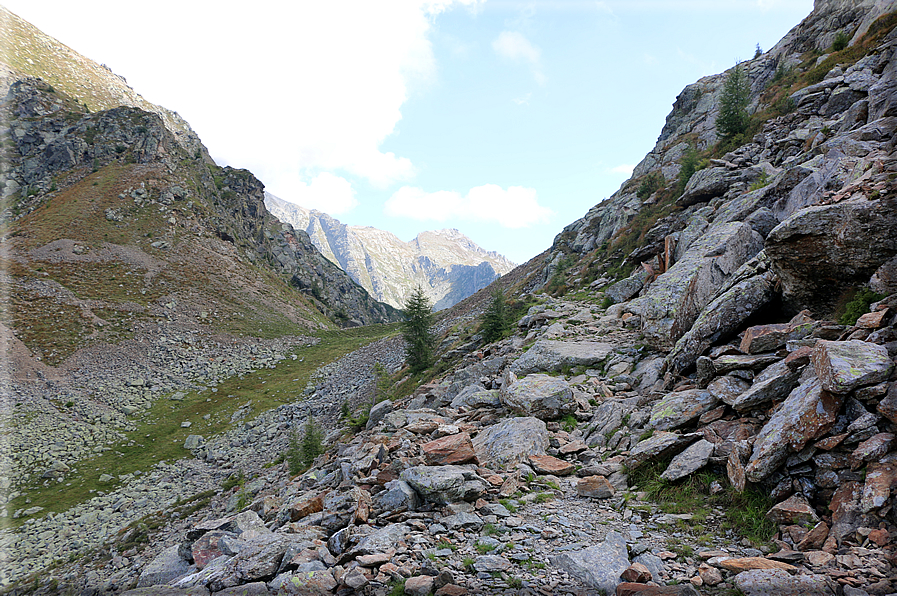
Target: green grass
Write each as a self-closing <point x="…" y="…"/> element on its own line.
<point x="159" y="435"/>
<point x="484" y="548"/>
<point x="509" y="505"/>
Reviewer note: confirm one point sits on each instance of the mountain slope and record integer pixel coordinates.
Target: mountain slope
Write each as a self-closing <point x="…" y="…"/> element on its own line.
<point x="445" y="263"/>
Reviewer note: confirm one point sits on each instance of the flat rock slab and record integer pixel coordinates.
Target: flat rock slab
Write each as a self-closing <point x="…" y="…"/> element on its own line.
<point x="807" y="413"/>
<point x="689" y="461"/>
<point x="595" y="487"/>
<point x="881" y="481"/>
<point x="167" y="566"/>
<point x="550" y="355"/>
<point x="793" y="510"/>
<point x="742" y="564"/>
<point x="542" y="396"/>
<point x="776" y="582"/>
<point x="730" y="362"/>
<point x="843" y="366"/>
<point x="774" y="383"/>
<point x="451" y="449"/>
<point x="658" y="445"/>
<point x="510" y="442"/>
<point x="547" y="464"/>
<point x="599" y="566"/>
<point x="491" y="563"/>
<point x="679" y="408"/>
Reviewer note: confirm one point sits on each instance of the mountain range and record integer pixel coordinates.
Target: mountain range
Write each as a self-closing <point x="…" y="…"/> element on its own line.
<point x="446" y="264"/>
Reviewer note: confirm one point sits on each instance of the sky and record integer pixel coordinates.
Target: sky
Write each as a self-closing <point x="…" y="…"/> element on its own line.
<point x="505" y="119"/>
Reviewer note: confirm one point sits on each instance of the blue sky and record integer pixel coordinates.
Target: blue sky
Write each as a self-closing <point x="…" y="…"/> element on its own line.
<point x="507" y="120"/>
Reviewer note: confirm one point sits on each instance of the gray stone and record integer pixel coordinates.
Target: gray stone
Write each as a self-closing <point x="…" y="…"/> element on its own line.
<point x="774" y="383"/>
<point x="398" y="496"/>
<point x="166" y="567"/>
<point x="444" y="484"/>
<point x="550" y="355"/>
<point x="653" y="563"/>
<point x="378" y="411"/>
<point x="510" y="442"/>
<point x="462" y="521"/>
<point x="679" y="408"/>
<point x="380" y="541"/>
<point x="657" y="446"/>
<point x="625" y="289"/>
<point x="843" y="366"/>
<point x="778" y="582"/>
<point x="600" y="566"/>
<point x="727" y="388"/>
<point x="689" y="461"/>
<point x="491" y="563"/>
<point x="807" y="413"/>
<point x="474" y="399"/>
<point x="542" y="396"/>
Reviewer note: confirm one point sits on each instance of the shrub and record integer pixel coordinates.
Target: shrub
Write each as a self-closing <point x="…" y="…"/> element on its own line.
<point x="784" y="105"/>
<point x="733" y="118"/>
<point x="758" y="52"/>
<point x="858" y="306"/>
<point x="495" y="319"/>
<point x="690" y="164"/>
<point x="841" y="41"/>
<point x="649" y="185"/>
<point x="421" y="345"/>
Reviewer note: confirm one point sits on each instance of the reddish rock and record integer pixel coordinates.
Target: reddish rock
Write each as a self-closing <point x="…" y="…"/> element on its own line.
<point x="450" y="449"/>
<point x="637" y="573"/>
<point x="451" y="590"/>
<point x="872" y="449"/>
<point x="829" y="443"/>
<point x="710" y="575"/>
<point x="596" y="487"/>
<point x="845" y="508"/>
<point x="422" y="427"/>
<point x="206" y="548"/>
<point x="872" y="320"/>
<point x="374" y="559"/>
<point x="819" y="558"/>
<point x="419" y="585"/>
<point x="765" y="338"/>
<point x="306" y="507"/>
<point x="881" y="537"/>
<point x="881" y="481"/>
<point x="815" y="538"/>
<point x="495" y="480"/>
<point x="748" y="563"/>
<point x="887" y="407"/>
<point x="793" y="510"/>
<point x="573" y="447"/>
<point x="546" y="464"/>
<point x="799" y="358"/>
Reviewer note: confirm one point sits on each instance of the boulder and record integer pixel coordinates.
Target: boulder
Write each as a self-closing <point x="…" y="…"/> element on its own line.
<point x="881" y="481"/>
<point x="304" y="583"/>
<point x="843" y="366"/>
<point x="444" y="484"/>
<point x="872" y="449"/>
<point x="689" y="461"/>
<point x="658" y="446"/>
<point x="378" y="411"/>
<point x="166" y="567"/>
<point x="821" y="250"/>
<point x="475" y="399"/>
<point x="595" y="487"/>
<point x="795" y="510"/>
<point x="510" y="442"/>
<point x="538" y="395"/>
<point x="398" y="496"/>
<point x="777" y="582"/>
<point x="419" y="585"/>
<point x="727" y="388"/>
<point x="721" y="317"/>
<point x="550" y="355"/>
<point x="681" y="407"/>
<point x="670" y="305"/>
<point x="625" y="289"/>
<point x="546" y="464"/>
<point x="769" y="338"/>
<point x="808" y="412"/>
<point x="451" y="449"/>
<point x="774" y="383"/>
<point x="634" y="589"/>
<point x="599" y="567"/>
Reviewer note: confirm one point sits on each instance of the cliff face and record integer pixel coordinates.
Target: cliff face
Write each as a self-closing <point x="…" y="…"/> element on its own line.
<point x="805" y="196"/>
<point x="445" y="263"/>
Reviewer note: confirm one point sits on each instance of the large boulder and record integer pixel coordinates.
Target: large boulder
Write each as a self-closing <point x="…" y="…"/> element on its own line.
<point x="843" y="366"/>
<point x="807" y="413"/>
<point x="542" y="396"/>
<point x="820" y="251"/>
<point x="550" y="355"/>
<point x="510" y="442"/>
<point x="599" y="567"/>
<point x="778" y="582"/>
<point x="689" y="461"/>
<point x="681" y="407"/>
<point x="672" y="303"/>
<point x="658" y="446"/>
<point x="625" y="289"/>
<point x="167" y="566"/>
<point x="774" y="383"/>
<point x="444" y="484"/>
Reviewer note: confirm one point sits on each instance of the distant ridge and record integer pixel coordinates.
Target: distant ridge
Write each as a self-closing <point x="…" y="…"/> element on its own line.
<point x="448" y="265"/>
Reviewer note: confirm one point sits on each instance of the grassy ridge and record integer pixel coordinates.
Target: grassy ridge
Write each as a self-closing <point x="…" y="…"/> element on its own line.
<point x="159" y="435"/>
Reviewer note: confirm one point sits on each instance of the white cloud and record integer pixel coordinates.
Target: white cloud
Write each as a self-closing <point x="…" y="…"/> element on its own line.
<point x="523" y="100"/>
<point x="326" y="192"/>
<point x="513" y="45"/>
<point x="623" y="169"/>
<point x="516" y="207"/>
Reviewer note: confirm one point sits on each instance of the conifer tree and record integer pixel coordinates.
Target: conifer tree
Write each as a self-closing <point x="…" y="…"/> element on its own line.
<point x="733" y="118"/>
<point x="495" y="318"/>
<point x="421" y="345"/>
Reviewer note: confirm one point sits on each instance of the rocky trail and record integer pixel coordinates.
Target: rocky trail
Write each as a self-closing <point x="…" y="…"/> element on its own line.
<point x="517" y="472"/>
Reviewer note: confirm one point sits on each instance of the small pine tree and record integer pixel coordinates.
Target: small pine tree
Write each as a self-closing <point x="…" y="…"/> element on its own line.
<point x="495" y="319"/>
<point x="758" y="52"/>
<point x="421" y="345"/>
<point x="733" y="118"/>
<point x="312" y="442"/>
